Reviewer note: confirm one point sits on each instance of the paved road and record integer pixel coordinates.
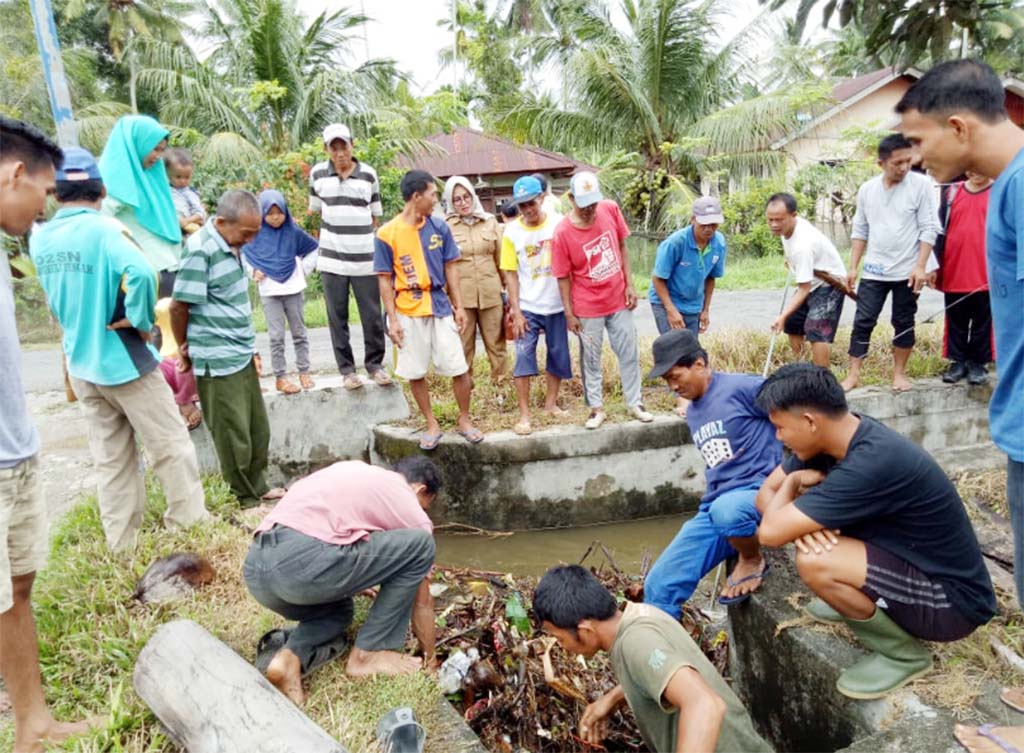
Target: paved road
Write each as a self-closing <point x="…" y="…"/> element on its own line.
<point x="741" y="309"/>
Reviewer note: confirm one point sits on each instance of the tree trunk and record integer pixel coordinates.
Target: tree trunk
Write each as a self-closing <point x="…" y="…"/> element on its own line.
<point x="131" y="83"/>
<point x="211" y="700"/>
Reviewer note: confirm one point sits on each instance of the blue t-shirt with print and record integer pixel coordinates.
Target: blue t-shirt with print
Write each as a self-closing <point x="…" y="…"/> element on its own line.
<point x="733" y="435"/>
<point x="1004" y="246"/>
<point x="684" y="267"/>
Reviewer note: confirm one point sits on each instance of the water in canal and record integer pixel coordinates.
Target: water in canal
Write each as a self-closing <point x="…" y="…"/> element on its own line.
<point x="533" y="552"/>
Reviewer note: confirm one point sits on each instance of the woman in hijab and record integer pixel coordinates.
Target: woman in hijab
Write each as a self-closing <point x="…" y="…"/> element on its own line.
<point x="478" y="236"/>
<point x="273" y="259"/>
<point x="139" y="195"/>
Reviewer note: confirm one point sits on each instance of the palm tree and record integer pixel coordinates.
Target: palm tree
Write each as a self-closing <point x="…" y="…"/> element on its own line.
<point x="271" y="81"/>
<point x="665" y="88"/>
<point x="126" y="20"/>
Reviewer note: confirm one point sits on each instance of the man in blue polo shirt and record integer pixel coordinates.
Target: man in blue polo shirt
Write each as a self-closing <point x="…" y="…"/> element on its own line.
<point x="103" y="291"/>
<point x="685" y="269"/>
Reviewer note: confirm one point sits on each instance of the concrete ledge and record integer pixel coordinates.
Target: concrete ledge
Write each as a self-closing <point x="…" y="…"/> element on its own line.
<point x="787" y="681"/>
<point x="313" y="429"/>
<point x="561" y="476"/>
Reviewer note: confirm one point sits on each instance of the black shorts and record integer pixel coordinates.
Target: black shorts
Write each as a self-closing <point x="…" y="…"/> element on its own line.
<point x="914" y="601"/>
<point x="818" y="317"/>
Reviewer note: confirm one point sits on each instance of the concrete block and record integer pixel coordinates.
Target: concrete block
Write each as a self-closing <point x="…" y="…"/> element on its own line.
<point x="561" y="476"/>
<point x="310" y="430"/>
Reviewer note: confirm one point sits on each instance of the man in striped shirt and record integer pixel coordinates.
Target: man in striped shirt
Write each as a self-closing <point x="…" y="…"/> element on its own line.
<point x="211" y="318"/>
<point x="346" y="194"/>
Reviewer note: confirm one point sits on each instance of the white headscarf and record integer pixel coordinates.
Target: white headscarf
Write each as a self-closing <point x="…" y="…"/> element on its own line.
<point x="450" y="210"/>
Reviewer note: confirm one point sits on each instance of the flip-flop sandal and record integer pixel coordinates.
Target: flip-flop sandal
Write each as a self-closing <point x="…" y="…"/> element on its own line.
<point x="986" y="731"/>
<point x="274" y="640"/>
<point x="727" y="600"/>
<point x="522" y="428"/>
<point x="399" y="732"/>
<point x="430" y="442"/>
<point x="1014" y="698"/>
<point x="473" y="436"/>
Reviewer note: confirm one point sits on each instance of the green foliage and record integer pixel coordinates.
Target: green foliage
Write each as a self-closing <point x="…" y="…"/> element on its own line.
<point x="745" y="224"/>
<point x="833" y="186"/>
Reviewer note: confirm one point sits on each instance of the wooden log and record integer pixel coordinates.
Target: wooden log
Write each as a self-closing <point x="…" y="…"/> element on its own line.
<point x="210" y="700"/>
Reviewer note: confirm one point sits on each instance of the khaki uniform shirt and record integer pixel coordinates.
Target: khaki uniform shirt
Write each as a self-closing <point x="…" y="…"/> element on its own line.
<point x="480" y="246"/>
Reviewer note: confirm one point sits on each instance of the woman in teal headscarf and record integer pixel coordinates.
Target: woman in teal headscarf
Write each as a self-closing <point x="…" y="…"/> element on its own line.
<point x="139" y="194"/>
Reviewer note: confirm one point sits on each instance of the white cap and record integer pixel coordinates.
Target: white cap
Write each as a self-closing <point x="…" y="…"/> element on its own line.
<point x="337" y="131"/>
<point x="585" y="189"/>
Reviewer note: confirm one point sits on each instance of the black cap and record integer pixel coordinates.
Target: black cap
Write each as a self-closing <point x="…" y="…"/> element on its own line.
<point x="670" y="347"/>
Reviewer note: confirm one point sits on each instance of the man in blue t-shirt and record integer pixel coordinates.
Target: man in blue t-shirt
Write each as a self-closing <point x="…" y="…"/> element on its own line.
<point x="103" y="292"/>
<point x="955" y="115"/>
<point x="739" y="447"/>
<point x="882" y="537"/>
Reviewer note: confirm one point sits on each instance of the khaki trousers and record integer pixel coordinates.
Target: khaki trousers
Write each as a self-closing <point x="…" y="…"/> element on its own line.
<point x="142" y="409"/>
<point x="492" y="332"/>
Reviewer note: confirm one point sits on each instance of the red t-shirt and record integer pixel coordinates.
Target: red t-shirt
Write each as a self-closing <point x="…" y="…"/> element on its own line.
<point x="963" y="259"/>
<point x="592" y="259"/>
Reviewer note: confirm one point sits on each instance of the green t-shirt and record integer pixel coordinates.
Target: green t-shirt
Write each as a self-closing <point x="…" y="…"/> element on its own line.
<point x="650" y="647"/>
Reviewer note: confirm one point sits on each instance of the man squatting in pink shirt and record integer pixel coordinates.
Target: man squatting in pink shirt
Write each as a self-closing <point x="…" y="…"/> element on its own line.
<point x="336" y="533"/>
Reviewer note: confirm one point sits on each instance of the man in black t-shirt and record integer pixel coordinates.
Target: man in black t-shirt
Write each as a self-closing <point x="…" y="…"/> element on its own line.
<point x="882" y="536"/>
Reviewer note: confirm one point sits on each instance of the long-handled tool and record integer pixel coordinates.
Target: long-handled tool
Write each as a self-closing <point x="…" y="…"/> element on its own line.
<point x="771" y="344"/>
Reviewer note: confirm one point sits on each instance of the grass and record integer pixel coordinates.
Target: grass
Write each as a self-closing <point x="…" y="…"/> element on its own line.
<point x="90" y="631"/>
<point x="494" y="406"/>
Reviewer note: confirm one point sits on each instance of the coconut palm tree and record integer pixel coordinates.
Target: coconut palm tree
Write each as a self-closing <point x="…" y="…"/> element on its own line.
<point x="270" y="82"/>
<point x="668" y="89"/>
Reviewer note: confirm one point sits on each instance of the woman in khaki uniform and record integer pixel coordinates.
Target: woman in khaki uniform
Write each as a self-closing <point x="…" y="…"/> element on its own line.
<point x="478" y="235"/>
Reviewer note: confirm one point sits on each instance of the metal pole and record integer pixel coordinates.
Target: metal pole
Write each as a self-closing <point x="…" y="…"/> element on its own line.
<point x="53" y="69"/>
<point x="771" y="344"/>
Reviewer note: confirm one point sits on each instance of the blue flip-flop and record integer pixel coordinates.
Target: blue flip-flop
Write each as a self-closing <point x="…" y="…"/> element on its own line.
<point x="726" y="601"/>
<point x="430" y="442"/>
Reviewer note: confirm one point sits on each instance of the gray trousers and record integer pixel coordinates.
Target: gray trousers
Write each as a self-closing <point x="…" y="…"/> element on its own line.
<point x="278" y="309"/>
<point x="305" y="579"/>
<point x="622" y="338"/>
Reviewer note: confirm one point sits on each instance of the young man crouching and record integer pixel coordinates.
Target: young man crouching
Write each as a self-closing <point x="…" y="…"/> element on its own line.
<point x="882" y="536"/>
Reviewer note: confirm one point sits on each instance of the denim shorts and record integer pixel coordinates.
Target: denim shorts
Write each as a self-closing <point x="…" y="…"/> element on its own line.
<point x="556" y="338"/>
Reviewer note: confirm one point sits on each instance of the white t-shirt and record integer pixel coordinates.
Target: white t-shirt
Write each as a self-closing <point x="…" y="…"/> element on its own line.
<point x="808" y="249"/>
<point x="527" y="250"/>
<point x="271" y="288"/>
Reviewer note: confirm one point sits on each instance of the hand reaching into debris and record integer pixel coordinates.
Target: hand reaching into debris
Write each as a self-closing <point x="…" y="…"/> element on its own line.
<point x="594" y="722"/>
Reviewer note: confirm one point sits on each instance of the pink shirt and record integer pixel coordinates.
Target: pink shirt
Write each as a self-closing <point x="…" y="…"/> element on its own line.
<point x="592" y="258"/>
<point x="346" y="502"/>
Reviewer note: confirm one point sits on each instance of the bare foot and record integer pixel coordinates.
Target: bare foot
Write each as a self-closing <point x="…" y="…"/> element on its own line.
<point x="191" y="414"/>
<point x="56" y="732"/>
<point x="744" y="567"/>
<point x="901" y="384"/>
<point x="285" y="674"/>
<point x="276" y="493"/>
<point x="850" y="382"/>
<point x="367" y="663"/>
<point x="972" y="739"/>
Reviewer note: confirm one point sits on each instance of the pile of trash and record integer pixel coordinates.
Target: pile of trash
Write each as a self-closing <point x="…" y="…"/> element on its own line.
<point x="517" y="689"/>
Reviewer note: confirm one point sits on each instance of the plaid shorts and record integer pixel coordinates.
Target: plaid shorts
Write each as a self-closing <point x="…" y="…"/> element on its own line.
<point x="817" y="319"/>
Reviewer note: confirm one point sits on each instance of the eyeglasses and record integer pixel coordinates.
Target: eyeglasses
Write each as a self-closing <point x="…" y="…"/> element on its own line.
<point x="465" y="199"/>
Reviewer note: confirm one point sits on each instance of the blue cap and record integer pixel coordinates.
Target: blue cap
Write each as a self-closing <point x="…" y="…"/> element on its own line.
<point x="79" y="164"/>
<point x="526" y="188"/>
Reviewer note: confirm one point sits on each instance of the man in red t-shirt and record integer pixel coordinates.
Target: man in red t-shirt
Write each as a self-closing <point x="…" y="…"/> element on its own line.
<point x="964" y="280"/>
<point x="597" y="291"/>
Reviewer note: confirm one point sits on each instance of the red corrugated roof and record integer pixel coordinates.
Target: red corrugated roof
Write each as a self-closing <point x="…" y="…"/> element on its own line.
<point x="472" y="152"/>
<point x="851" y="87"/>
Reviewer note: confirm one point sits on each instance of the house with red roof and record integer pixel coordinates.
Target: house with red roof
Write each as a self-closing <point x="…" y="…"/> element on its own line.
<point x="492" y="163"/>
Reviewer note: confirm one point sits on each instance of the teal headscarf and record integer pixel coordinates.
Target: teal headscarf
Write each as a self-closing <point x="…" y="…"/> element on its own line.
<point x="147" y="191"/>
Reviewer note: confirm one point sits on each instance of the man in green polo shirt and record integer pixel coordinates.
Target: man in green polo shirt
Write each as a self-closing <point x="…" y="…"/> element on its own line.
<point x="211" y="318"/>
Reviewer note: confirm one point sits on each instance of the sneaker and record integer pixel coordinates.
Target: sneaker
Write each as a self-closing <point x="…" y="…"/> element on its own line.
<point x="381" y="378"/>
<point x="597" y="418"/>
<point x="640" y="414"/>
<point x="352" y="381"/>
<point x="955" y="372"/>
<point x="976" y="374"/>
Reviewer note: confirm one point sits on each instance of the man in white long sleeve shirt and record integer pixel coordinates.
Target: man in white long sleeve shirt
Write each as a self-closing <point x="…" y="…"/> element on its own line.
<point x="894" y="229"/>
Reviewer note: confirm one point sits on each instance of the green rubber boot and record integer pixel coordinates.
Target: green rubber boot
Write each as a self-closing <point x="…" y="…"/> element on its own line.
<point x="818" y="610"/>
<point x="897" y="658"/>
